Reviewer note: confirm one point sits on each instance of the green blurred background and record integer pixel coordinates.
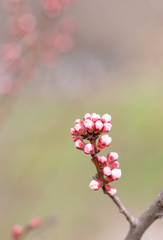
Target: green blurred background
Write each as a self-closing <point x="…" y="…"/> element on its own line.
<point x="42" y="173"/>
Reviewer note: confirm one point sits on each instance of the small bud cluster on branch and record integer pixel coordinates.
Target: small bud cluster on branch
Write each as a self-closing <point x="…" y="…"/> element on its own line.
<point x="90" y="129"/>
<point x="21" y="232"/>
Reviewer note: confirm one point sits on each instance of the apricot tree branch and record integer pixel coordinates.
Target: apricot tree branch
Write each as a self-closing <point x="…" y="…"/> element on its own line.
<point x="115" y="199"/>
<point x="154" y="212"/>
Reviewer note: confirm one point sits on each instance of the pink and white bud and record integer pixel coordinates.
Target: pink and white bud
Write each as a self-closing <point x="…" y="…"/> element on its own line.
<point x="79" y="144"/>
<point x="80" y="128"/>
<point x="98" y="126"/>
<point x="78" y="121"/>
<point x="114" y="165"/>
<point x="112" y="156"/>
<point x="102" y="159"/>
<point x="116" y="174"/>
<point x="107" y="171"/>
<point x="95" y="117"/>
<point x="17" y="231"/>
<point x="35" y="222"/>
<point x="89" y="125"/>
<point x="106" y="127"/>
<point x="95" y="184"/>
<point x="87" y="116"/>
<point x="103" y="142"/>
<point x="73" y="131"/>
<point x="106" y="118"/>
<point x="111" y="190"/>
<point x="89" y="149"/>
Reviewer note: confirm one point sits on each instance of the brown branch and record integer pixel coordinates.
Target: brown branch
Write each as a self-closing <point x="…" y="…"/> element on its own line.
<point x="154" y="212"/>
<point x="132" y="220"/>
<point x="137" y="225"/>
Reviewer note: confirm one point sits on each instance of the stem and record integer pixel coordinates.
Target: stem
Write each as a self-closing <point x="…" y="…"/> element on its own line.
<point x="115" y="199"/>
<point x="154" y="212"/>
<point x="95" y="159"/>
<point x="132" y="220"/>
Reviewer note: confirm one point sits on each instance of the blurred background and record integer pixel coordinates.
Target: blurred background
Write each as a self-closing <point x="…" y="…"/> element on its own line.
<point x="115" y="67"/>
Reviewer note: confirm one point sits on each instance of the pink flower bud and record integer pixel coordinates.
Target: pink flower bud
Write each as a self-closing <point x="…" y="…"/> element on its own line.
<point x="102" y="159"/>
<point x="107" y="171"/>
<point x="112" y="156"/>
<point x="78" y="121"/>
<point x="89" y="148"/>
<point x="89" y="125"/>
<point x="114" y="165"/>
<point x="17" y="231"/>
<point x="87" y="116"/>
<point x="98" y="126"/>
<point x="80" y="128"/>
<point x="35" y="222"/>
<point x="79" y="144"/>
<point x="106" y="127"/>
<point x="95" y="117"/>
<point x="106" y="118"/>
<point x="116" y="174"/>
<point x="95" y="184"/>
<point x="111" y="190"/>
<point x="73" y="131"/>
<point x="103" y="142"/>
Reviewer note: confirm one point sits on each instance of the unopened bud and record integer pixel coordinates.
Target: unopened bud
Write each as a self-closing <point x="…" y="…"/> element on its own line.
<point x="98" y="126"/>
<point x="106" y="127"/>
<point x="112" y="156"/>
<point x="106" y="118"/>
<point x="107" y="171"/>
<point x="95" y="117"/>
<point x="89" y="125"/>
<point x="103" y="142"/>
<point x="116" y="174"/>
<point x="87" y="116"/>
<point x="95" y="184"/>
<point x="89" y="148"/>
<point x="79" y="144"/>
<point x="79" y="127"/>
<point x="111" y="190"/>
<point x="114" y="165"/>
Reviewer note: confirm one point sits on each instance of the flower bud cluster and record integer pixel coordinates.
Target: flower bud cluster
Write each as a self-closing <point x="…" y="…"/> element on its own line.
<point x="110" y="171"/>
<point x="90" y="129"/>
<point x="18" y="231"/>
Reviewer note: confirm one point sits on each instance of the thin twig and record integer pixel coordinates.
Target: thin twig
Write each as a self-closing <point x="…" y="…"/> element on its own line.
<point x="132" y="220"/>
